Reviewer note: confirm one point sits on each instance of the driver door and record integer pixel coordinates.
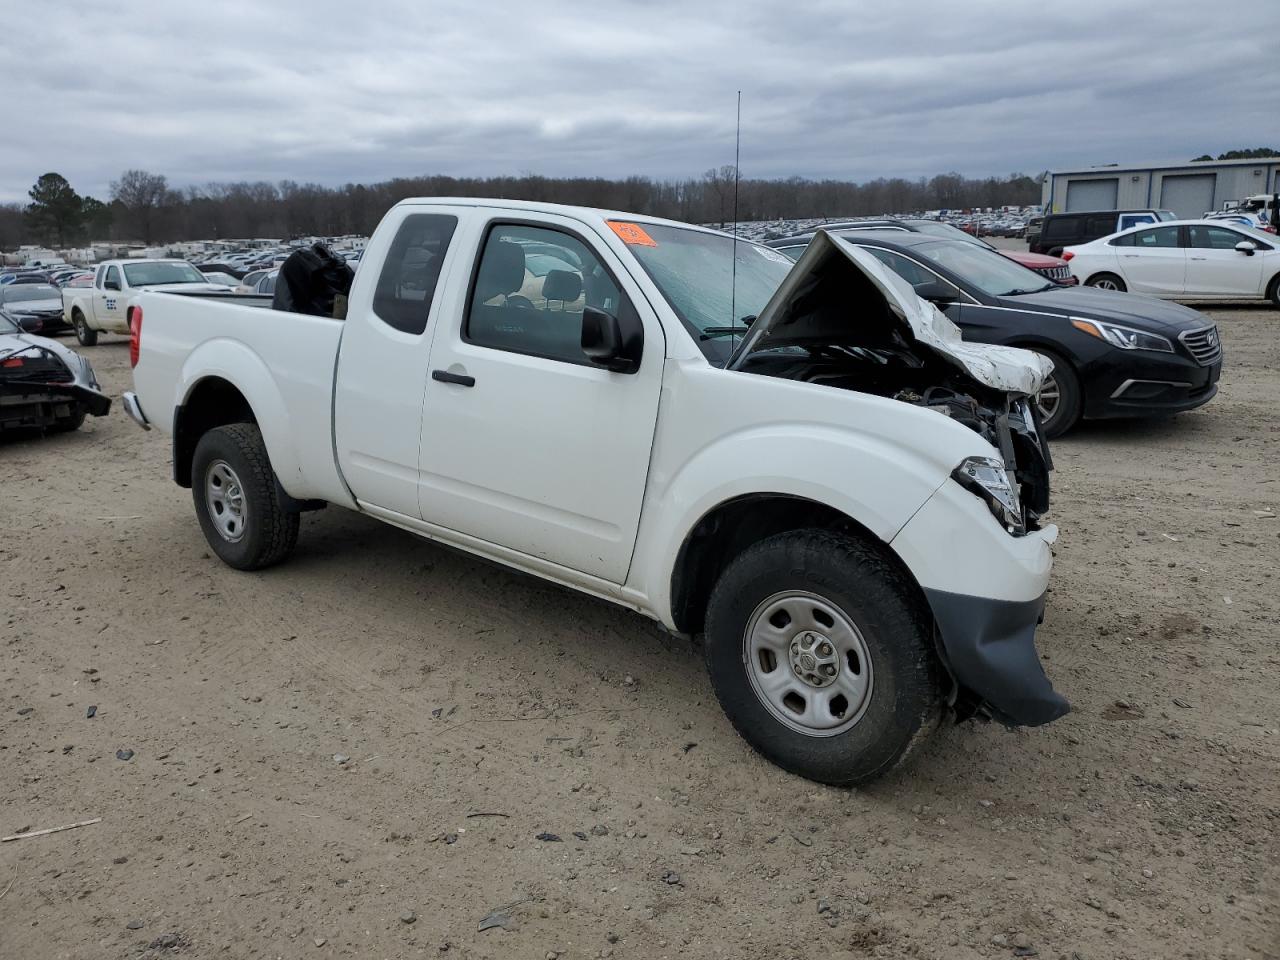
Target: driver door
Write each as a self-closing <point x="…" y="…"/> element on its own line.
<point x="108" y="305"/>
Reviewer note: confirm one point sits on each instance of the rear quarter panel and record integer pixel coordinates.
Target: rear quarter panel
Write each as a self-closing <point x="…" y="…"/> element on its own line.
<point x="282" y="363"/>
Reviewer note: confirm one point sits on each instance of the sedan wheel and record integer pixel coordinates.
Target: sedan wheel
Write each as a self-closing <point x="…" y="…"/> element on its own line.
<point x="1049" y="399"/>
<point x="1107" y="281"/>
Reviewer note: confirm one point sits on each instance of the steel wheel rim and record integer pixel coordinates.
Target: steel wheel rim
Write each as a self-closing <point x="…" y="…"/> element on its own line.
<point x="80" y="329"/>
<point x="224" y="496"/>
<point x="1049" y="399"/>
<point x="1105" y="284"/>
<point x="808" y="663"/>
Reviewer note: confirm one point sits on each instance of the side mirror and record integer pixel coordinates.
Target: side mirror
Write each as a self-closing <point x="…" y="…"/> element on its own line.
<point x="110" y="284"/>
<point x="1247" y="247"/>
<point x="615" y="343"/>
<point x="937" y="291"/>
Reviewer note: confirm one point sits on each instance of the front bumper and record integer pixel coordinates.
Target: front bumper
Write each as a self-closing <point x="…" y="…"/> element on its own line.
<point x="986" y="591"/>
<point x="1162" y="384"/>
<point x="990" y="647"/>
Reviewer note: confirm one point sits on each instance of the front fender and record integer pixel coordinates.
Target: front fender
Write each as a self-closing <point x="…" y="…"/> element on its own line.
<point x="872" y="480"/>
<point x="235" y="363"/>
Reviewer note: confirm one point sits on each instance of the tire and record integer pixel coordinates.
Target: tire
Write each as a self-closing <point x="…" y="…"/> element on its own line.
<point x="1066" y="411"/>
<point x="1107" y="281"/>
<point x="1273" y="291"/>
<point x="236" y="499"/>
<point x="69" y="423"/>
<point x="87" y="336"/>
<point x="897" y="667"/>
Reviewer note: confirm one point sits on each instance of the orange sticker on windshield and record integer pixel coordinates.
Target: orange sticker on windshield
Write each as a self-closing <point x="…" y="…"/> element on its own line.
<point x="632" y="233"/>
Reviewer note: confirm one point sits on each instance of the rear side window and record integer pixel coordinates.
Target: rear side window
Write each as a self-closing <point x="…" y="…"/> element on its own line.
<point x="908" y="270"/>
<point x="1101" y="226"/>
<point x="1059" y="228"/>
<point x="530" y="289"/>
<point x="1160" y="237"/>
<point x="1124" y="241"/>
<point x="407" y="284"/>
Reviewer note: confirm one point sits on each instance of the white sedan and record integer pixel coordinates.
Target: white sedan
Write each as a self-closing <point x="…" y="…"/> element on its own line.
<point x="1200" y="259"/>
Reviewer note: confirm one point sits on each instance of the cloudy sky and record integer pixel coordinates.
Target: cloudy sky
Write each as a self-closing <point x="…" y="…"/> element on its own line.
<point x="364" y="91"/>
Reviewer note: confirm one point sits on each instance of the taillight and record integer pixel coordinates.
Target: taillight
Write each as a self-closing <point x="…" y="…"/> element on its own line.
<point x="135" y="336"/>
<point x="1067" y="254"/>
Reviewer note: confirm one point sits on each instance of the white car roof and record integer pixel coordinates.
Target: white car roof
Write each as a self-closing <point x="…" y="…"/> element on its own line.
<point x="590" y="214"/>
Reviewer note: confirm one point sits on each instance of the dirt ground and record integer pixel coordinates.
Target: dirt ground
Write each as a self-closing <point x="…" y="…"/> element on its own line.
<point x="366" y="752"/>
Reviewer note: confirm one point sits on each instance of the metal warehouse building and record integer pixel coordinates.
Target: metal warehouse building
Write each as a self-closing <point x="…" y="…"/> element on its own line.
<point x="1188" y="189"/>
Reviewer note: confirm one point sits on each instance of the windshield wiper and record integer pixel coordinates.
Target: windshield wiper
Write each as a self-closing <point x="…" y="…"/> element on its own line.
<point x="710" y="332"/>
<point x="1019" y="293"/>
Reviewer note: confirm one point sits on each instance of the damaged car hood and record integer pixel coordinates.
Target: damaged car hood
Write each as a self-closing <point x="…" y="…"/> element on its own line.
<point x="1002" y="368"/>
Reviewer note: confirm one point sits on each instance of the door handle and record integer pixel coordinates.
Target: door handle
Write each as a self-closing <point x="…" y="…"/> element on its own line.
<point x="461" y="379"/>
<point x="1199" y="258"/>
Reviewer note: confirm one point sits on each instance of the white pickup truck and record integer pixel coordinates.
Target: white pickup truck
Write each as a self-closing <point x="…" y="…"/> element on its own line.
<point x="806" y="465"/>
<point x="107" y="306"/>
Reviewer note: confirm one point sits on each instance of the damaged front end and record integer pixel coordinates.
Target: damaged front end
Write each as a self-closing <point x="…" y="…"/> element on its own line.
<point x="843" y="319"/>
<point x="40" y="387"/>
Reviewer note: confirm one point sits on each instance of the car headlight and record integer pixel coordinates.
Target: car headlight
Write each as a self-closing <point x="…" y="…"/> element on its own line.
<point x="987" y="478"/>
<point x="1126" y="338"/>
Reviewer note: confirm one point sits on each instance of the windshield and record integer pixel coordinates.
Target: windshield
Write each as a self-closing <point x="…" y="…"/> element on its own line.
<point x="1166" y="215"/>
<point x="695" y="272"/>
<point x="29" y="291"/>
<point x="169" y="271"/>
<point x="990" y="272"/>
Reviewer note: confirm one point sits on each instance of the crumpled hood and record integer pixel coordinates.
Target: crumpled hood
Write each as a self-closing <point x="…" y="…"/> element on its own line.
<point x="1131" y="309"/>
<point x="20" y="341"/>
<point x="1003" y="368"/>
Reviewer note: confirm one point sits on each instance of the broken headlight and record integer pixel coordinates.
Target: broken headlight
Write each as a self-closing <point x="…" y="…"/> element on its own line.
<point x="987" y="478"/>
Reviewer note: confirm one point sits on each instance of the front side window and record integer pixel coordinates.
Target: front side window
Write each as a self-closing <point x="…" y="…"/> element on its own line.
<point x="908" y="270"/>
<point x="113" y="276"/>
<point x="1212" y="238"/>
<point x="411" y="270"/>
<point x="1159" y="238"/>
<point x="530" y="289"/>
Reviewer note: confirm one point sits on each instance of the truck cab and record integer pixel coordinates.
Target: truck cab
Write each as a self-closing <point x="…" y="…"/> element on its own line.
<point x="107" y="306"/>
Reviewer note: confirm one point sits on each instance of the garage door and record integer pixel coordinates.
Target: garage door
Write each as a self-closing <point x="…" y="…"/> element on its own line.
<point x="1188" y="195"/>
<point x="1092" y="194"/>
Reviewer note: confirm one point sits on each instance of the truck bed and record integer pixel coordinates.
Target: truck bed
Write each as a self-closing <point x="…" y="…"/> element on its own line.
<point x="283" y="362"/>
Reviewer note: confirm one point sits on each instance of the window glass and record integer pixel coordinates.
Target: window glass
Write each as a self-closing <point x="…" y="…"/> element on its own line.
<point x="158" y="272"/>
<point x="1133" y="219"/>
<point x="1213" y="238"/>
<point x="531" y="288"/>
<point x="792" y="253"/>
<point x="267" y="284"/>
<point x="1059" y="227"/>
<point x="1160" y="237"/>
<point x="411" y="270"/>
<point x="113" y="275"/>
<point x="1124" y="241"/>
<point x="908" y="270"/>
<point x="1100" y="226"/>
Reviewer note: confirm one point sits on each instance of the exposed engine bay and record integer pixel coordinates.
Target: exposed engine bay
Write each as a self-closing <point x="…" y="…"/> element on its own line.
<point x="38" y="388"/>
<point x="843" y="320"/>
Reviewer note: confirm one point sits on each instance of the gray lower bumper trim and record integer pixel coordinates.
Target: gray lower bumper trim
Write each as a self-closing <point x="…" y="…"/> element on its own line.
<point x="990" y="647"/>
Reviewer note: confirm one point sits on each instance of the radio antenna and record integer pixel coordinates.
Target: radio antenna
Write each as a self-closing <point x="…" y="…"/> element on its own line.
<point x="733" y="292"/>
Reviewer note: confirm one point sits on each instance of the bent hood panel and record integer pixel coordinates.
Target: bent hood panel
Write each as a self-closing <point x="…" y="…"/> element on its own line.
<point x="1001" y="368"/>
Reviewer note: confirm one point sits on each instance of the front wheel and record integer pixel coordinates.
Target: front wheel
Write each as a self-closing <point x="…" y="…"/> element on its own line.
<point x="1106" y="281"/>
<point x="1059" y="401"/>
<point x="1273" y="292"/>
<point x="87" y="336"/>
<point x="236" y="499"/>
<point x="821" y="654"/>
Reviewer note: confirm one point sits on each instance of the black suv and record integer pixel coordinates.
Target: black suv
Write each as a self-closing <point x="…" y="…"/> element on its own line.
<point x="1059" y="230"/>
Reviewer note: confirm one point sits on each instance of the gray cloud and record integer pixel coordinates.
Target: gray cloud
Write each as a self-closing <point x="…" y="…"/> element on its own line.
<point x="339" y="91"/>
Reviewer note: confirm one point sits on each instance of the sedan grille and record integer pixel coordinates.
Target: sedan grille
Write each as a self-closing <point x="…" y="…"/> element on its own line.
<point x="1203" y="344"/>
<point x="1056" y="273"/>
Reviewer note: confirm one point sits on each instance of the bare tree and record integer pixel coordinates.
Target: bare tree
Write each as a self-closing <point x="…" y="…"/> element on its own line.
<point x="141" y="194"/>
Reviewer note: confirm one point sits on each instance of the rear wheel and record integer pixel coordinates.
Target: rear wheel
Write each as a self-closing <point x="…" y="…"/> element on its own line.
<point x="1106" y="281"/>
<point x="87" y="336"/>
<point x="1273" y="292"/>
<point x="73" y="421"/>
<point x="821" y="654"/>
<point x="237" y="501"/>
<point x="1059" y="400"/>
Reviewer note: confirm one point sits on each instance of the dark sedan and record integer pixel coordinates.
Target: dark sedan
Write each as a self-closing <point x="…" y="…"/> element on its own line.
<point x="36" y="307"/>
<point x="1114" y="354"/>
